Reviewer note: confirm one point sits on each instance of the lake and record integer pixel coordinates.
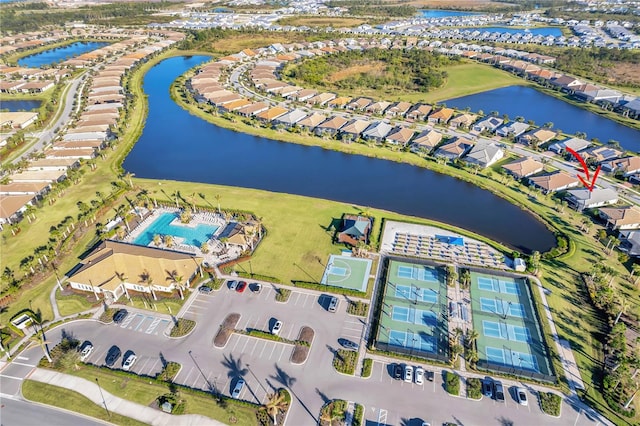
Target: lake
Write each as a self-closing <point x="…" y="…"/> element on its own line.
<point x="20" y="105"/>
<point x="545" y="31"/>
<point x="441" y="13"/>
<point x="534" y="105"/>
<point x="59" y="54"/>
<point x="179" y="146"/>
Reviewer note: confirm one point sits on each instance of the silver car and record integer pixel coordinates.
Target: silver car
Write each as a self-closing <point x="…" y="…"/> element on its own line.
<point x="237" y="389"/>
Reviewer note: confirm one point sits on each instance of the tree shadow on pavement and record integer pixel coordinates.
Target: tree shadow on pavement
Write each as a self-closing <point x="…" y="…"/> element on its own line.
<point x="283" y="378"/>
<point x="234" y="366"/>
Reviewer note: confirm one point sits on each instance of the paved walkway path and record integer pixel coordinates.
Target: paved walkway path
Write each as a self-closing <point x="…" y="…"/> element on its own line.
<point x="118" y="405"/>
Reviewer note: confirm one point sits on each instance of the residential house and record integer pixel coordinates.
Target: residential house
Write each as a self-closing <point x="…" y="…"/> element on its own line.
<point x="484" y="154"/>
<point x="339" y="102"/>
<point x="331" y="126"/>
<point x="581" y="199"/>
<point x="358" y="104"/>
<point x="464" y="120"/>
<point x="311" y="121"/>
<point x="565" y="83"/>
<point x="400" y="135"/>
<point x="253" y="109"/>
<point x="536" y="137"/>
<point x="554" y="181"/>
<point x="627" y="166"/>
<point x="17" y="120"/>
<point x="575" y="144"/>
<point x="272" y="113"/>
<point x="355" y="229"/>
<point x="455" y="148"/>
<point x="630" y="242"/>
<point x="113" y="268"/>
<point x="377" y="131"/>
<point x="441" y="115"/>
<point x="418" y="112"/>
<point x="12" y="207"/>
<point x="303" y="95"/>
<point x="321" y="98"/>
<point x="523" y="167"/>
<point x="599" y="154"/>
<point x="425" y="141"/>
<point x="489" y="124"/>
<point x="377" y="108"/>
<point x="354" y="128"/>
<point x="290" y="118"/>
<point x="514" y="128"/>
<point x="621" y="218"/>
<point x="397" y="109"/>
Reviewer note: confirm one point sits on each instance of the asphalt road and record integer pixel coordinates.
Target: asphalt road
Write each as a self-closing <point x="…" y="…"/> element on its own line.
<point x="265" y="365"/>
<point x="22" y="413"/>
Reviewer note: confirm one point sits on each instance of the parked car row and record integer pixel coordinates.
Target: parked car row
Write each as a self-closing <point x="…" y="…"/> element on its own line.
<point x="241" y="286"/>
<point x="410" y="375"/>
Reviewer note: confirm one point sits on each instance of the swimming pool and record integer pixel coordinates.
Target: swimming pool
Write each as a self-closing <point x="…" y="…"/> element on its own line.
<point x="186" y="234"/>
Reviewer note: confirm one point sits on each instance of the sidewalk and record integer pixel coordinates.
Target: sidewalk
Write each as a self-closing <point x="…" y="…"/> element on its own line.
<point x="118" y="405"/>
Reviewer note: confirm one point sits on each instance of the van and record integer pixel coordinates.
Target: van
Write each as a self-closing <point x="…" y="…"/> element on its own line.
<point x="333" y="304"/>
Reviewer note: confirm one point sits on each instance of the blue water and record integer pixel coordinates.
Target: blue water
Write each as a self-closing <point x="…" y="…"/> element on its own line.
<point x="59" y="54"/>
<point x="534" y="105"/>
<point x="441" y="13"/>
<point x="19" y="105"/>
<point x="179" y="146"/>
<point x="193" y="236"/>
<point x="545" y="31"/>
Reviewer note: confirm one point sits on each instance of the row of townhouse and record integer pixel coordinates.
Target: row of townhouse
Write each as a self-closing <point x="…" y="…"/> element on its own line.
<point x="90" y="133"/>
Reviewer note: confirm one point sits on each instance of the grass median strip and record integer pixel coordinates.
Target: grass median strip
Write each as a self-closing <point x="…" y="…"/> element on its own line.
<point x="73" y="401"/>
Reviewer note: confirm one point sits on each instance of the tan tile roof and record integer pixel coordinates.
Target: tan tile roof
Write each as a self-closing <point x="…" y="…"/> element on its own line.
<point x="621" y="216"/>
<point x="554" y="181"/>
<point x="523" y="167"/>
<point x="10" y="204"/>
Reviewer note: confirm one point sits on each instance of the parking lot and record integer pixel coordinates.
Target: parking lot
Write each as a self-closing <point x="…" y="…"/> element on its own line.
<point x="144" y="323"/>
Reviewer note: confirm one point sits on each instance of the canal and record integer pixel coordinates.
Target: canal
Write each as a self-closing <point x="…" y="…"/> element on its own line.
<point x="177" y="145"/>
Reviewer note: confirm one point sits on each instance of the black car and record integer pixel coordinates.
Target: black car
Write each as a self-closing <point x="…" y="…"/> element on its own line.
<point x="120" y="315"/>
<point x="112" y="356"/>
<point x="205" y="289"/>
<point x="348" y="344"/>
<point x="398" y="372"/>
<point x="498" y="391"/>
<point x="429" y="375"/>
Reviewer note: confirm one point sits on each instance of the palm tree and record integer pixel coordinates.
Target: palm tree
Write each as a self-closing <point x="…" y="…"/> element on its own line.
<point x="472" y="336"/>
<point x="168" y="241"/>
<point x="328" y="416"/>
<point x="204" y="248"/>
<point x="38" y="338"/>
<point x="275" y="403"/>
<point x="145" y="279"/>
<point x="456" y="350"/>
<point x="157" y="240"/>
<point x="623" y="305"/>
<point x="175" y="278"/>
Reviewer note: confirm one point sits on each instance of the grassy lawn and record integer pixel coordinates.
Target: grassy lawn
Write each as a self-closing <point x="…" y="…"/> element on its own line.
<point x="145" y="392"/>
<point x="72" y="401"/>
<point x="322" y="21"/>
<point x="72" y="304"/>
<point x="163" y="306"/>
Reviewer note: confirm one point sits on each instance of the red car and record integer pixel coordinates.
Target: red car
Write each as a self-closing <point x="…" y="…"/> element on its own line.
<point x="241" y="286"/>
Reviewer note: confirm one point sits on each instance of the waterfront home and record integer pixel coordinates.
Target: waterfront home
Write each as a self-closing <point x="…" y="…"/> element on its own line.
<point x="354" y="128"/>
<point x="358" y="104"/>
<point x="12" y="207"/>
<point x="631" y="108"/>
<point x="464" y="120"/>
<point x="630" y="242"/>
<point x="523" y="167"/>
<point x="536" y="137"/>
<point x="514" y="128"/>
<point x="418" y="112"/>
<point x="290" y="118"/>
<point x="271" y="114"/>
<point x="489" y="124"/>
<point x="377" y="107"/>
<point x="598" y="154"/>
<point x="400" y="135"/>
<point x="311" y="121"/>
<point x="253" y="109"/>
<point x="576" y="144"/>
<point x="627" y="166"/>
<point x="621" y="218"/>
<point x="441" y="115"/>
<point x="235" y="105"/>
<point x="51" y="176"/>
<point x="114" y="268"/>
<point x="331" y="126"/>
<point x="455" y="148"/>
<point x="397" y="109"/>
<point x="53" y="164"/>
<point x="484" y="154"/>
<point x="554" y="181"/>
<point x="598" y="94"/>
<point x="377" y="131"/>
<point x="565" y="83"/>
<point x="355" y="229"/>
<point x="425" y="141"/>
<point x="581" y="199"/>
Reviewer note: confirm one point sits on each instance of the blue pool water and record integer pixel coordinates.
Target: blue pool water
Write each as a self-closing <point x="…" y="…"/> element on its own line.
<point x="192" y="235"/>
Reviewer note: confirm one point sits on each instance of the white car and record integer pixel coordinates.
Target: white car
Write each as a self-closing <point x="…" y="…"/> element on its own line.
<point x="419" y="376"/>
<point x="521" y="396"/>
<point x="276" y="328"/>
<point x="129" y="362"/>
<point x="408" y="373"/>
<point x="87" y="348"/>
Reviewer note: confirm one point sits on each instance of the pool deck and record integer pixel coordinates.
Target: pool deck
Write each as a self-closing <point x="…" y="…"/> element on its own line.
<point x="408" y="239"/>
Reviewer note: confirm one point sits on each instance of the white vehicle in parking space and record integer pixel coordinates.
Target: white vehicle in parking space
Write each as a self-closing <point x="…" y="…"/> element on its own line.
<point x="86" y="350"/>
<point x="419" y="376"/>
<point x="408" y="373"/>
<point x="235" y="394"/>
<point x="276" y="328"/>
<point x="521" y="396"/>
<point x="129" y="362"/>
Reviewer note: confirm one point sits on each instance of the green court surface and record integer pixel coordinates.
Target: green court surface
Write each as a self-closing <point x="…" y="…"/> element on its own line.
<point x="413" y="317"/>
<point x="509" y="337"/>
<point x="347" y="272"/>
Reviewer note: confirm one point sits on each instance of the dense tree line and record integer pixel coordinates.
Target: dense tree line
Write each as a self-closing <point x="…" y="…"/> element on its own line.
<point x="374" y="8"/>
<point x="416" y="70"/>
<point x="23" y="17"/>
<point x="595" y="63"/>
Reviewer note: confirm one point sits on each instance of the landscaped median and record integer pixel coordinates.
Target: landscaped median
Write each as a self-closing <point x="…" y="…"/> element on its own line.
<point x="344" y="361"/>
<point x="226" y="330"/>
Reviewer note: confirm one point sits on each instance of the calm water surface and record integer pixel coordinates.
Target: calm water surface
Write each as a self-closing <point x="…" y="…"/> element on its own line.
<point x="58" y="54"/>
<point x="179" y="146"/>
<point x="545" y="31"/>
<point x="20" y="105"/>
<point x="541" y="108"/>
<point x="441" y="13"/>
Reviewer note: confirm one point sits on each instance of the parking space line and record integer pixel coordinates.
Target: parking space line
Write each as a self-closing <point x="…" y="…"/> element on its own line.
<point x="254" y="347"/>
<point x="272" y="350"/>
<point x="135" y="327"/>
<point x="141" y="369"/>
<point x="262" y="351"/>
<point x="226" y="386"/>
<point x="187" y="376"/>
<point x="246" y="324"/>
<point x="245" y="345"/>
<point x="297" y="297"/>
<point x="153" y="366"/>
<point x="128" y="320"/>
<point x="281" y="352"/>
<point x="237" y="341"/>
<point x="153" y="325"/>
<point x="195" y="382"/>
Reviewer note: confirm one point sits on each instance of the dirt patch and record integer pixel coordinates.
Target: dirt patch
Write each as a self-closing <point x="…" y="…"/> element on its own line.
<point x="620" y="73"/>
<point x="246" y="41"/>
<point x="301" y="351"/>
<point x="322" y="22"/>
<point x="226" y="330"/>
<point x="373" y="69"/>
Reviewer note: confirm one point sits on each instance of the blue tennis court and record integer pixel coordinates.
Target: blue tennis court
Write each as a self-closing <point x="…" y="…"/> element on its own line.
<point x="410" y="340"/>
<point x="509" y="287"/>
<point x="495" y="355"/>
<point x="519" y="334"/>
<point x="487" y="284"/>
<point x="337" y="270"/>
<point x="420" y="273"/>
<point x="414" y="316"/>
<point x="428" y="295"/>
<point x="510" y="358"/>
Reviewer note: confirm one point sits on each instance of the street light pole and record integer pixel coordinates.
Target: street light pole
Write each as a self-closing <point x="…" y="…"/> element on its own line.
<point x="103" y="400"/>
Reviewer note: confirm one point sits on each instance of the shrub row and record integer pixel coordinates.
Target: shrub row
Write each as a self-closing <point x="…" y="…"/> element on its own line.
<point x="452" y="382"/>
<point x="344" y="361"/>
<point x="367" y="366"/>
<point x="358" y="308"/>
<point x="270" y="336"/>
<point x="182" y="327"/>
<point x="282" y="294"/>
<point x="358" y="415"/>
<point x="328" y="288"/>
